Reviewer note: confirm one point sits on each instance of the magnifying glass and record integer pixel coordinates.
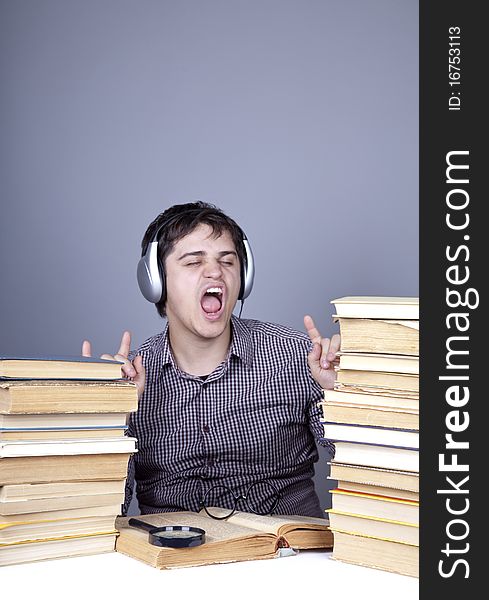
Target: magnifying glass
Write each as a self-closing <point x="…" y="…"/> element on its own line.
<point x="171" y="536"/>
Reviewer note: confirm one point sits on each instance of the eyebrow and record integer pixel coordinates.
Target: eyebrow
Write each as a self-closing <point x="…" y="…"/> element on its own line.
<point x="202" y="253"/>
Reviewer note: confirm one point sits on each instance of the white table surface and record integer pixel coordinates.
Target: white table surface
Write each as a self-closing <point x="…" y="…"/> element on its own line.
<point x="308" y="574"/>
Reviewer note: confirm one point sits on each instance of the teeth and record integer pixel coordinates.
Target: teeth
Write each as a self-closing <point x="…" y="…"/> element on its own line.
<point x="214" y="290"/>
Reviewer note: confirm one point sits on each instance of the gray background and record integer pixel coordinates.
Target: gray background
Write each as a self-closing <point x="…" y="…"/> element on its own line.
<point x="298" y="117"/>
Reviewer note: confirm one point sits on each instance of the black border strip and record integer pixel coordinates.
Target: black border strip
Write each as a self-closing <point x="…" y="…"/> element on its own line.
<point x="452" y="119"/>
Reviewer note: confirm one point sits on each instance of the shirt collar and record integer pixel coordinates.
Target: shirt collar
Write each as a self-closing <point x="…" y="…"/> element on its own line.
<point x="241" y="343"/>
<point x="164" y="347"/>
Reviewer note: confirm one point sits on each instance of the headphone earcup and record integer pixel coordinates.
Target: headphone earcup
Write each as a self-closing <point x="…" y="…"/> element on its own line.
<point x="247" y="272"/>
<point x="149" y="278"/>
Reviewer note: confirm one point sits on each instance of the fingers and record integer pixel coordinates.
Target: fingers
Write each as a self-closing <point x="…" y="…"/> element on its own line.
<point x="324" y="349"/>
<point x="128" y="367"/>
<point x="334" y="346"/>
<point x="130" y="370"/>
<point x="125" y="346"/>
<point x="312" y="330"/>
<point x="86" y="348"/>
<point x="320" y="355"/>
<point x="329" y="348"/>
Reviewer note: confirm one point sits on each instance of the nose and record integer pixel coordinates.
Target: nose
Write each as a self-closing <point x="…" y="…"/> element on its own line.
<point x="213" y="269"/>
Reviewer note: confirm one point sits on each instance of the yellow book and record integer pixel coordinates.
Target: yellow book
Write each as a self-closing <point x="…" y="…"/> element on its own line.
<point x="387" y="529"/>
<point x="376" y="506"/>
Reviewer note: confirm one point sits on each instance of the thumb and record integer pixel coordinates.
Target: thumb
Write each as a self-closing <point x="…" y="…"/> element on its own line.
<point x="138" y="364"/>
<point x="140" y="379"/>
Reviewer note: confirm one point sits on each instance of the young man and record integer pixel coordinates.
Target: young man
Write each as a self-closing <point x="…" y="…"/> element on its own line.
<point x="227" y="406"/>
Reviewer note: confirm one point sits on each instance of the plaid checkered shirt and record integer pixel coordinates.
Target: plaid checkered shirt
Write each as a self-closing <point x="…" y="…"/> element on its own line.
<point x="254" y="418"/>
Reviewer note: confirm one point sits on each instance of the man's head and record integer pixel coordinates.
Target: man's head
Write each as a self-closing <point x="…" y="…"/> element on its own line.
<point x="182" y="220"/>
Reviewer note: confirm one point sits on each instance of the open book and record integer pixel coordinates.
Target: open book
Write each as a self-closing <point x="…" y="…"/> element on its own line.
<point x="242" y="536"/>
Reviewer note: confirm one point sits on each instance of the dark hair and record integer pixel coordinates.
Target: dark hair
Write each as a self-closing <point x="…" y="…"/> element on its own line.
<point x="181" y="219"/>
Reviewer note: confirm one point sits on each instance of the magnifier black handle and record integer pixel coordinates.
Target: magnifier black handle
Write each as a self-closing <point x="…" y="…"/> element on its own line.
<point x="141" y="524"/>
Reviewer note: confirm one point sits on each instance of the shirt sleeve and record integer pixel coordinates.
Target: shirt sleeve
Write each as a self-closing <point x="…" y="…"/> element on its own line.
<point x="315" y="415"/>
<point x="131" y="468"/>
<point x="130" y="478"/>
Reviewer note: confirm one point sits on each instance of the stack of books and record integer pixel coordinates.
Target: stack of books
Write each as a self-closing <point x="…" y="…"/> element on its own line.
<point x="63" y="455"/>
<point x="372" y="415"/>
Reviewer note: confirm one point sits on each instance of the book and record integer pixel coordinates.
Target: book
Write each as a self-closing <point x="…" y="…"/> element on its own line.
<point x="109" y="510"/>
<point x="377" y="382"/>
<point x="377" y="490"/>
<point x="390" y="478"/>
<point x="377" y="553"/>
<point x="36" y="491"/>
<point x="30" y="532"/>
<point x="58" y="367"/>
<point x="68" y="396"/>
<point x="65" y="447"/>
<point x="53" y="433"/>
<point x="372" y="455"/>
<point x="62" y="421"/>
<point x="396" y="531"/>
<point x="380" y="507"/>
<point x="379" y="335"/>
<point x="58" y="548"/>
<point x="377" y="307"/>
<point x="76" y="467"/>
<point x="372" y="415"/>
<point x="380" y="416"/>
<point x="391" y="363"/>
<point x="241" y="537"/>
<point x="31" y="505"/>
<point x="350" y="397"/>
<point x="380" y="382"/>
<point x="370" y="434"/>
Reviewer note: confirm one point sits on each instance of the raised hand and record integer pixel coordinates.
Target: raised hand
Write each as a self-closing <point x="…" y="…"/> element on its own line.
<point x="322" y="358"/>
<point x="130" y="370"/>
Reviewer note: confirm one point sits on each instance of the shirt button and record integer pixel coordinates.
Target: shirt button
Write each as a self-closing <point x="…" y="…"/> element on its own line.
<point x="210" y="462"/>
<point x="206" y="428"/>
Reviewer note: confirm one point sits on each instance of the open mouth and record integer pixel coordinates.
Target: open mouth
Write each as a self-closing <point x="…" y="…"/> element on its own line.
<point x="212" y="301"/>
